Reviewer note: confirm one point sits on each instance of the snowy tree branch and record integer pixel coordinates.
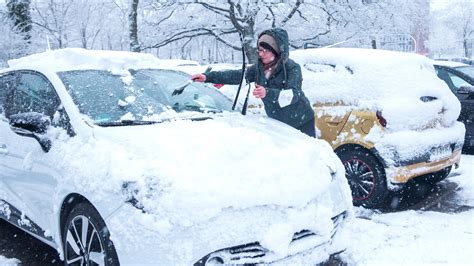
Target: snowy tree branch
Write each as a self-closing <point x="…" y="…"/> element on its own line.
<point x="292" y="12"/>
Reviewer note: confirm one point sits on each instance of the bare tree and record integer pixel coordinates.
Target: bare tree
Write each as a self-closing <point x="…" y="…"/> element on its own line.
<point x="452" y="30"/>
<point x="19" y="13"/>
<point x="314" y="23"/>
<point x="53" y="17"/>
<point x="467" y="27"/>
<point x="133" y="26"/>
<point x="230" y="19"/>
<point x="12" y="44"/>
<point x="90" y="20"/>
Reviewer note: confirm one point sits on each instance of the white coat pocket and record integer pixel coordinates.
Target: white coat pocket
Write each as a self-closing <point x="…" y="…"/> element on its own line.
<point x="285" y="98"/>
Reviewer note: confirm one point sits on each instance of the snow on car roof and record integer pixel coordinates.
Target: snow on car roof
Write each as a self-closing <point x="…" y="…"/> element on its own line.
<point x="393" y="82"/>
<point x="351" y="75"/>
<point x="78" y="58"/>
<point x="448" y="63"/>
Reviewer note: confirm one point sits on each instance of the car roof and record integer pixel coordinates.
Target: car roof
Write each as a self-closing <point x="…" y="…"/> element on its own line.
<point x="352" y="75"/>
<point x="80" y="59"/>
<point x="448" y="63"/>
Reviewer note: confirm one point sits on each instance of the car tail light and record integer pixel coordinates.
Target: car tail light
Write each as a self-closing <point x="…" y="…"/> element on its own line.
<point x="381" y="119"/>
<point x="218" y="85"/>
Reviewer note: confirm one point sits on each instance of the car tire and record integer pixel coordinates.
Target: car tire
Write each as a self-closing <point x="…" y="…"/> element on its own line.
<point x="366" y="176"/>
<point x="92" y="247"/>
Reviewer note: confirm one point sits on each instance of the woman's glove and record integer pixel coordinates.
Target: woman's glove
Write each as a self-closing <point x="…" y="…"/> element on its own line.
<point x="198" y="77"/>
<point x="259" y="91"/>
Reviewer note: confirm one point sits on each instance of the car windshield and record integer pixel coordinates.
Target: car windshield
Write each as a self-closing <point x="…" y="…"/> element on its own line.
<point x="468" y="70"/>
<point x="137" y="95"/>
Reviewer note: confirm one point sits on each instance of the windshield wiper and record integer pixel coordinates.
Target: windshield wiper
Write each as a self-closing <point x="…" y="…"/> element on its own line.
<point x="142" y="122"/>
<point x="127" y="123"/>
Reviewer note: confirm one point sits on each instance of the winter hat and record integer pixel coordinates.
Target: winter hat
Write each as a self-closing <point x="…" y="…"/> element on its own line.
<point x="268" y="42"/>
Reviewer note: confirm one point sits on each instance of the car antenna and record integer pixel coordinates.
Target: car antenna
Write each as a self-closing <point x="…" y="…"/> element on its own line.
<point x="47" y="43"/>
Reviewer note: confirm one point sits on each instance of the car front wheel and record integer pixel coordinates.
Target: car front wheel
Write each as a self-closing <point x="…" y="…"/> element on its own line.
<point x="366" y="176"/>
<point x="86" y="240"/>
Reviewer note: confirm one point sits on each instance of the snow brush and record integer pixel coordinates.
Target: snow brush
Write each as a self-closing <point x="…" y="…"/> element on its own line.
<point x="181" y="88"/>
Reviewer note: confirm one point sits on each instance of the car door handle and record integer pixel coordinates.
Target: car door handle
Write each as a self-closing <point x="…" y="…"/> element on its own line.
<point x="3" y="149"/>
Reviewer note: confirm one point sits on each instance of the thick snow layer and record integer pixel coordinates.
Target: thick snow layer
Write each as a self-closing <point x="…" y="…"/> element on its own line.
<point x="228" y="162"/>
<point x="392" y="82"/>
<point x="243" y="179"/>
<point x="410" y="144"/>
<point x="406" y="237"/>
<point x="77" y="58"/>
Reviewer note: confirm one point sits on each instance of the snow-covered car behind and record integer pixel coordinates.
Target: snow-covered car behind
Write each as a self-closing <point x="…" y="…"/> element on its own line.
<point x="386" y="114"/>
<point x="101" y="161"/>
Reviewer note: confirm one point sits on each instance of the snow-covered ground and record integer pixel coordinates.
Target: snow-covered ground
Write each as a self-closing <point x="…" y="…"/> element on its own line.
<point x="410" y="237"/>
<point x="417" y="237"/>
<point x="7" y="262"/>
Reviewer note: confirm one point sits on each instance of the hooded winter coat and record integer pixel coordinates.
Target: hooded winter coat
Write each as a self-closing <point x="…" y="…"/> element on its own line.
<point x="286" y="76"/>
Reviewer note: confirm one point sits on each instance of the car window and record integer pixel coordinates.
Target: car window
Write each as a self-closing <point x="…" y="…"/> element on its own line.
<point x="33" y="93"/>
<point x="468" y="70"/>
<point x="446" y="77"/>
<point x="138" y="94"/>
<point x="458" y="81"/>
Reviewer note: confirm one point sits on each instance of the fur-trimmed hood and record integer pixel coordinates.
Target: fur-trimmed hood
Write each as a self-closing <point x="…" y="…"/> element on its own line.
<point x="281" y="37"/>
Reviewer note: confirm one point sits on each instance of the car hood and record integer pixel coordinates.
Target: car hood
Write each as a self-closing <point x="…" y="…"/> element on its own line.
<point x="190" y="171"/>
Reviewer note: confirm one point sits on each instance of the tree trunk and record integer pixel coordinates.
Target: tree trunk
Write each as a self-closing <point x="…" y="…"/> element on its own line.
<point x="133" y="26"/>
<point x="19" y="13"/>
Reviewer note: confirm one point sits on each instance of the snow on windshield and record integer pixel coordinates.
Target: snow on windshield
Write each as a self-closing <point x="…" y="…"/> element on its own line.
<point x="146" y="94"/>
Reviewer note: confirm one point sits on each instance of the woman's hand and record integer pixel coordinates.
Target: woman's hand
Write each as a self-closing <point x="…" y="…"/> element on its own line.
<point x="198" y="77"/>
<point x="259" y="91"/>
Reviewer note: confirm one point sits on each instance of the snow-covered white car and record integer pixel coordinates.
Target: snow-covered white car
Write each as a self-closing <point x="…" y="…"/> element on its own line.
<point x="387" y="116"/>
<point x="103" y="158"/>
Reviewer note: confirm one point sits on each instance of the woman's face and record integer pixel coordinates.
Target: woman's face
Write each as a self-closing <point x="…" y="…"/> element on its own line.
<point x="265" y="55"/>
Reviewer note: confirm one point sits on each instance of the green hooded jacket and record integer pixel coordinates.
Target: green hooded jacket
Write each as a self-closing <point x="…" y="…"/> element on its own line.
<point x="287" y="76"/>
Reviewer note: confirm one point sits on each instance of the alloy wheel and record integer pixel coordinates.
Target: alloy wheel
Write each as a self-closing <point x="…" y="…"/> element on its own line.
<point x="361" y="178"/>
<point x="83" y="243"/>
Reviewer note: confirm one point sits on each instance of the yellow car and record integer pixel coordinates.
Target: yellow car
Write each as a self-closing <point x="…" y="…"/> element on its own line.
<point x="386" y="115"/>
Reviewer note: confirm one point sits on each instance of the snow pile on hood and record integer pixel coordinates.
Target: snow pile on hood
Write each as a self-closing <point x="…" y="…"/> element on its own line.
<point x="190" y="171"/>
<point x="395" y="83"/>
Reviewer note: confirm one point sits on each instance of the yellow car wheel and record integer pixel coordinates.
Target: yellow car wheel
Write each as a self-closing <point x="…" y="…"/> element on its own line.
<point x="366" y="176"/>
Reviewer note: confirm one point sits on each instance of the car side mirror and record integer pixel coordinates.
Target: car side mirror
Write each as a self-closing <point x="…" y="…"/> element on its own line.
<point x="466" y="90"/>
<point x="33" y="125"/>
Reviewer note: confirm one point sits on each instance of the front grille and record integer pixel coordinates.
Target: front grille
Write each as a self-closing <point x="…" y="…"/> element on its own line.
<point x="302" y="234"/>
<point x="255" y="252"/>
<point x="252" y="250"/>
